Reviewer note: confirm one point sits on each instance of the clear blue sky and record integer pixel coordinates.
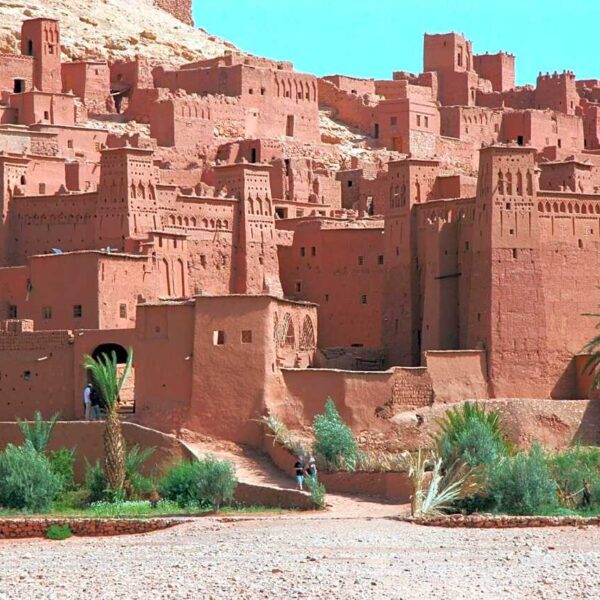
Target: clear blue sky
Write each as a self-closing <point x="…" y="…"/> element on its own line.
<point x="372" y="38"/>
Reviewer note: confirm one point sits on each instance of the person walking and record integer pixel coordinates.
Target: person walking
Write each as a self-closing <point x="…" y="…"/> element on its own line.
<point x="87" y="401"/>
<point x="311" y="469"/>
<point x="299" y="469"/>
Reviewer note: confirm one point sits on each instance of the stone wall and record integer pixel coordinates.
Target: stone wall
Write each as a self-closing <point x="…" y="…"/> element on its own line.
<point x="180" y="9"/>
<point x="13" y="528"/>
<point x="501" y="521"/>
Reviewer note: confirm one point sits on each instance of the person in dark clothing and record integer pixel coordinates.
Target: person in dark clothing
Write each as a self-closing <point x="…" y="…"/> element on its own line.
<point x="96" y="401"/>
<point x="299" y="469"/>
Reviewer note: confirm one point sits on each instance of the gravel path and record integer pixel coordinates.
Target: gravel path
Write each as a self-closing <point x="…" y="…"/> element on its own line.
<point x="295" y="557"/>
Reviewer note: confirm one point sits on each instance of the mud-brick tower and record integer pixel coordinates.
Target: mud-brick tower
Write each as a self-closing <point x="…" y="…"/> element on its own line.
<point x="255" y="249"/>
<point x="40" y="38"/>
<point x="506" y="305"/>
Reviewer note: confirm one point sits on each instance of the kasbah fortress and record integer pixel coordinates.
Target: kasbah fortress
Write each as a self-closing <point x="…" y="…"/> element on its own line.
<point x="264" y="239"/>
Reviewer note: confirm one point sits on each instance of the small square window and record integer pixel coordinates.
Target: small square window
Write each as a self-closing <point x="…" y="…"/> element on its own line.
<point x="326" y="297"/>
<point x="218" y="338"/>
<point x="42" y="188"/>
<point x="350" y="183"/>
<point x="46" y="115"/>
<point x="419" y="120"/>
<point x="123" y="311"/>
<point x="69" y="143"/>
<point x="363" y="299"/>
<point x="303" y="251"/>
<point x="77" y="311"/>
<point x="426" y="121"/>
<point x="361" y="260"/>
<point x="46" y="312"/>
<point x="203" y="260"/>
<point x="380" y="259"/>
<point x="393" y="121"/>
<point x="247" y="336"/>
<point x="298" y="286"/>
<point x="313" y="251"/>
<point x="12" y="311"/>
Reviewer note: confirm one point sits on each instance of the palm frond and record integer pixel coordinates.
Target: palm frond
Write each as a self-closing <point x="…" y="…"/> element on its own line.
<point x="38" y="431"/>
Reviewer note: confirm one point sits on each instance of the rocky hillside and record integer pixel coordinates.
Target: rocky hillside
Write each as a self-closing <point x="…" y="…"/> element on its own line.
<point x="111" y="29"/>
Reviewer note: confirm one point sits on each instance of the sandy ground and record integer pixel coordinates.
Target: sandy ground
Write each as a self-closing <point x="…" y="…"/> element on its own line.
<point x="297" y="557"/>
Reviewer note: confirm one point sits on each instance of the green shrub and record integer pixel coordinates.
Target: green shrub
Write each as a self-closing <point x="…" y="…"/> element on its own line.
<point x="577" y="474"/>
<point x="95" y="481"/>
<point x="333" y="439"/>
<point x="216" y="481"/>
<point x="137" y="485"/>
<point x="317" y="492"/>
<point x="179" y="482"/>
<point x="475" y="444"/>
<point x="62" y="462"/>
<point x="522" y="484"/>
<point x="27" y="480"/>
<point x="38" y="431"/>
<point x="472" y="435"/>
<point x="58" y="532"/>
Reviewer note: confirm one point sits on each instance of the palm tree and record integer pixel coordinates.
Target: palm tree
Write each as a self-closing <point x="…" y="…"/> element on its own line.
<point x="592" y="364"/>
<point x="109" y="385"/>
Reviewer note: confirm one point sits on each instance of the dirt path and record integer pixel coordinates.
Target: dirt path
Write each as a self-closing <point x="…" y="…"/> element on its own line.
<point x="295" y="557"/>
<point x="256" y="468"/>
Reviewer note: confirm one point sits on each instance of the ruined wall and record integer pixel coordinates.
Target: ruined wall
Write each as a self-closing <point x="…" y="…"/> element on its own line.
<point x="180" y="9"/>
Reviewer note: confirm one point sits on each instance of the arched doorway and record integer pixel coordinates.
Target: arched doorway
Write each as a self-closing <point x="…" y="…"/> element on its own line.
<point x="127" y="396"/>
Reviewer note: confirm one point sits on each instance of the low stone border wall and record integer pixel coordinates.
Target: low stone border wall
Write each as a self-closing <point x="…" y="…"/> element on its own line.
<point x="19" y="527"/>
<point x="250" y="494"/>
<point x="500" y="521"/>
<point x="389" y="486"/>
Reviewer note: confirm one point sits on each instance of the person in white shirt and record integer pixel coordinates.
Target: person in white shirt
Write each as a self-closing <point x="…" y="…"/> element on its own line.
<point x="87" y="401"/>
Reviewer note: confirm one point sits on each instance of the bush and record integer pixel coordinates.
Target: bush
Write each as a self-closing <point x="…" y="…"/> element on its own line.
<point x="522" y="484"/>
<point x="334" y="440"/>
<point x="38" y="431"/>
<point x="472" y="435"/>
<point x="62" y="463"/>
<point x="27" y="480"/>
<point x="95" y="481"/>
<point x="216" y="481"/>
<point x="179" y="483"/>
<point x="58" y="532"/>
<point x="475" y="444"/>
<point x="137" y="485"/>
<point x="317" y="492"/>
<point x="577" y="474"/>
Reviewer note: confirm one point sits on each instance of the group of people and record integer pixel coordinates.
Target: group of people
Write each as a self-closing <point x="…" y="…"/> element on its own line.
<point x="92" y="403"/>
<point x="305" y="468"/>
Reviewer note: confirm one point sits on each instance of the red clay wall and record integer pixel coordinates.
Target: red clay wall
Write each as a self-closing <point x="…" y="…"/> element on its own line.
<point x="36" y="373"/>
<point x="87" y="439"/>
<point x="340" y="266"/>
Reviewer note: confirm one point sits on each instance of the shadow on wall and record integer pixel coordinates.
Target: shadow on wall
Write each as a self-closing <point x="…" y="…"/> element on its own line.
<point x="588" y="432"/>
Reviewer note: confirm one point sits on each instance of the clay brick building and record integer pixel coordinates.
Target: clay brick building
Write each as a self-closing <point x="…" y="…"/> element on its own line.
<point x="231" y="238"/>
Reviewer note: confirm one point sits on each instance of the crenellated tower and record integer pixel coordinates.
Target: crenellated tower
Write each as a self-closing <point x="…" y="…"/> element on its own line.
<point x="255" y="254"/>
<point x="127" y="196"/>
<point x="506" y="304"/>
<point x="409" y="182"/>
<point x="40" y="38"/>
